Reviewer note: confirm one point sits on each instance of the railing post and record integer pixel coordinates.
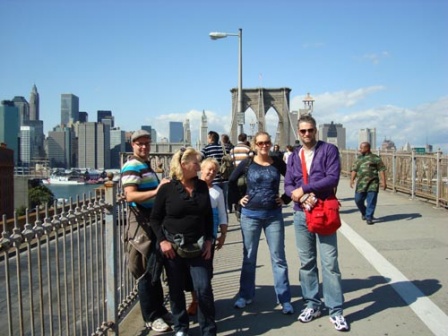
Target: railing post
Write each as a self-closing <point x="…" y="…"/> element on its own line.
<point x="111" y="256"/>
<point x="439" y="179"/>
<point x="394" y="170"/>
<point x="413" y="171"/>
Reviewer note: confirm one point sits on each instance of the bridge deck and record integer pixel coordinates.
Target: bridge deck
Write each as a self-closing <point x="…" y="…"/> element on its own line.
<point x="393" y="272"/>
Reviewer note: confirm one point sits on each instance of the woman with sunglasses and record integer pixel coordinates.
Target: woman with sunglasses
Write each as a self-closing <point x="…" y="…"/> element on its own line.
<point x="262" y="211"/>
<point x="182" y="220"/>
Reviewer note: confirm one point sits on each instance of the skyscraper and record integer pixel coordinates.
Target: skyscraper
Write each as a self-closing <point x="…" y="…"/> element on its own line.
<point x="176" y="131"/>
<point x="187" y="132"/>
<point x="333" y="133"/>
<point x="9" y="127"/>
<point x="60" y="144"/>
<point x="83" y="117"/>
<point x="69" y="109"/>
<point x="34" y="104"/>
<point x="367" y="135"/>
<point x="94" y="145"/>
<point x="24" y="109"/>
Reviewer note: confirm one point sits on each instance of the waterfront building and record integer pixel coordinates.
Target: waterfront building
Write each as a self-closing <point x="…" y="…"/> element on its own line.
<point x="333" y="133"/>
<point x="308" y="105"/>
<point x="117" y="146"/>
<point x="26" y="145"/>
<point x="60" y="147"/>
<point x="367" y="135"/>
<point x="176" y="131"/>
<point x="94" y="145"/>
<point x="6" y="181"/>
<point x="10" y="127"/>
<point x="69" y="109"/>
<point x="34" y="104"/>
<point x="105" y="117"/>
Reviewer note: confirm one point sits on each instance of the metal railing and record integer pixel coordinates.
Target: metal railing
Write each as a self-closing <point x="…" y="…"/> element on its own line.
<point x="418" y="175"/>
<point x="66" y="274"/>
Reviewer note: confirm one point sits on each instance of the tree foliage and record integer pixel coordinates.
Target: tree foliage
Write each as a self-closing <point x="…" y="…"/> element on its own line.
<point x="40" y="195"/>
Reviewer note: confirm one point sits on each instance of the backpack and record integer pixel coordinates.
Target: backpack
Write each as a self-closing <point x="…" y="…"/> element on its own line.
<point x="227" y="165"/>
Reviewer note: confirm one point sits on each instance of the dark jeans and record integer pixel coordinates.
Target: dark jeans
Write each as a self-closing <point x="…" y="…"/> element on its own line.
<point x="366" y="203"/>
<point x="199" y="270"/>
<point x="151" y="297"/>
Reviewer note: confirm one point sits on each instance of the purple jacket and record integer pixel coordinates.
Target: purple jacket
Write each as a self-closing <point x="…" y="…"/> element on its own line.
<point x="324" y="172"/>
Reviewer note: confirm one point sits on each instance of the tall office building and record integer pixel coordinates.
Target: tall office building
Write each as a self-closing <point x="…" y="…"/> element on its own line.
<point x="106" y="117"/>
<point x="176" y="131"/>
<point x="83" y="117"/>
<point x="10" y="127"/>
<point x="38" y="139"/>
<point x="94" y="145"/>
<point x="34" y="104"/>
<point x="367" y="135"/>
<point x="69" y="109"/>
<point x="26" y="145"/>
<point x="117" y="146"/>
<point x="308" y="105"/>
<point x="24" y="109"/>
<point x="60" y="145"/>
<point x="203" y="138"/>
<point x="151" y="131"/>
<point x="333" y="133"/>
<point x="187" y="132"/>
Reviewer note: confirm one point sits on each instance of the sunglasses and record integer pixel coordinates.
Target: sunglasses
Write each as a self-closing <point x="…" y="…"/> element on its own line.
<point x="141" y="144"/>
<point x="304" y="131"/>
<point x="263" y="143"/>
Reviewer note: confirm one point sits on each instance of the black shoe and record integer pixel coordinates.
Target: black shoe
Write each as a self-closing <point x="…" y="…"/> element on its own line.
<point x="363" y="217"/>
<point x="369" y="222"/>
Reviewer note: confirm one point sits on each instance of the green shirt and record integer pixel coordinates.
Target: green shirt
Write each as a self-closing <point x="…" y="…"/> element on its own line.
<point x="367" y="168"/>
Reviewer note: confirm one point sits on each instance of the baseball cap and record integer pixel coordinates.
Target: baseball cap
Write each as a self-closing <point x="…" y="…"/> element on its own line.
<point x="139" y="134"/>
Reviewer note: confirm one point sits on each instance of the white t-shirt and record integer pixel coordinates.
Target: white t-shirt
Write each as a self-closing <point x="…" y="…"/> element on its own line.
<point x="218" y="207"/>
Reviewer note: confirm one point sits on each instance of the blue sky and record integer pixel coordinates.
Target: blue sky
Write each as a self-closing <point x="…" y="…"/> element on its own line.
<point x="376" y="64"/>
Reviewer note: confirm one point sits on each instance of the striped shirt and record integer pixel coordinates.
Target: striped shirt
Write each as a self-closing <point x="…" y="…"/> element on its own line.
<point x="136" y="172"/>
<point x="239" y="153"/>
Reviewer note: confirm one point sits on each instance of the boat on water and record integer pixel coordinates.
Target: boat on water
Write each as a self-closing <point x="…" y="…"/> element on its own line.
<point x="64" y="180"/>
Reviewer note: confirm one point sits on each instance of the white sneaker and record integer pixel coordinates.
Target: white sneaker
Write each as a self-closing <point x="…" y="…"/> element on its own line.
<point x="287" y="308"/>
<point x="309" y="314"/>
<point x="181" y="333"/>
<point x="158" y="325"/>
<point x="339" y="322"/>
<point x="241" y="303"/>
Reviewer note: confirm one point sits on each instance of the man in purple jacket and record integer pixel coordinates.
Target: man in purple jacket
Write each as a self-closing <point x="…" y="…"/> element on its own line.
<point x="323" y="167"/>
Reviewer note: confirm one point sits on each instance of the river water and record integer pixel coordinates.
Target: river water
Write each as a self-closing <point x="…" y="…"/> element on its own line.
<point x="67" y="191"/>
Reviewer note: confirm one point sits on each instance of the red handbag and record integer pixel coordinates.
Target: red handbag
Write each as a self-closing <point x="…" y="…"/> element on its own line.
<point x="324" y="217"/>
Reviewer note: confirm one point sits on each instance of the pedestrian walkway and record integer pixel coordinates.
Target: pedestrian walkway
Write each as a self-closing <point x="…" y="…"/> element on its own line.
<point x="395" y="275"/>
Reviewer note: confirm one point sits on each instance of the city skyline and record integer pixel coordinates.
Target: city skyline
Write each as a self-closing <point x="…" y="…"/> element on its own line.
<point x="379" y="65"/>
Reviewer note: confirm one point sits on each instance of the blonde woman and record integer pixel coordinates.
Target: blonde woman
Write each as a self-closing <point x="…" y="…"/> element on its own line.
<point x="182" y="219"/>
<point x="209" y="168"/>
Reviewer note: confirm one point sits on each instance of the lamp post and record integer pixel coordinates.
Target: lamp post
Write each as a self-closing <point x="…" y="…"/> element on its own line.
<point x="240" y="113"/>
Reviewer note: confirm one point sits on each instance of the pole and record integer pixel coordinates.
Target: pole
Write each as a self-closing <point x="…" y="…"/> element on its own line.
<point x="240" y="82"/>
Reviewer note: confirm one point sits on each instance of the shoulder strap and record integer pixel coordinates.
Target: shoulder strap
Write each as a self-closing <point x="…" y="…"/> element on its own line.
<point x="223" y="149"/>
<point x="304" y="171"/>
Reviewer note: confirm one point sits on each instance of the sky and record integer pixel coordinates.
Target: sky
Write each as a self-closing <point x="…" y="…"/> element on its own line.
<point x="368" y="64"/>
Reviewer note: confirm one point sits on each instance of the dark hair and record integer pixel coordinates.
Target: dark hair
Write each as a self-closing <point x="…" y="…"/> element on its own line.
<point x="242" y="137"/>
<point x="225" y="138"/>
<point x="214" y="136"/>
<point x="306" y="119"/>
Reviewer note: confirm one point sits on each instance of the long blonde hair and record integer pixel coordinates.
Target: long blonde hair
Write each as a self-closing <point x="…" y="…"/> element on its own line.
<point x="182" y="155"/>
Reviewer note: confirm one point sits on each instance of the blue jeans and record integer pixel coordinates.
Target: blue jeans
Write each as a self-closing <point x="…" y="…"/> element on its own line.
<point x="306" y="243"/>
<point x="224" y="185"/>
<point x="274" y="230"/>
<point x="150" y="296"/>
<point x="368" y="197"/>
<point x="199" y="270"/>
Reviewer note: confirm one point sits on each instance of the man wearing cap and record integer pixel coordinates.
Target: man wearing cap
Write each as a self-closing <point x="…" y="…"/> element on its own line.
<point x="140" y="184"/>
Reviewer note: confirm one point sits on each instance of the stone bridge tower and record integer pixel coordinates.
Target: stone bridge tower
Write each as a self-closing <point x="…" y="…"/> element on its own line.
<point x="260" y="100"/>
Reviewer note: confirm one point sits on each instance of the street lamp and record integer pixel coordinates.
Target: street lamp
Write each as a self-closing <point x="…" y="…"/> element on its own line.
<point x="240" y="113"/>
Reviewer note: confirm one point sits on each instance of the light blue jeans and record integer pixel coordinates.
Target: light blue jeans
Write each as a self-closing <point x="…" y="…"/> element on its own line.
<point x="306" y="243"/>
<point x="370" y="198"/>
<point x="274" y="230"/>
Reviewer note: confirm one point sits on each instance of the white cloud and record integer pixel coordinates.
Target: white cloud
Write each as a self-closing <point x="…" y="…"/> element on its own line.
<point x="376" y="58"/>
<point x="419" y="125"/>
